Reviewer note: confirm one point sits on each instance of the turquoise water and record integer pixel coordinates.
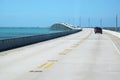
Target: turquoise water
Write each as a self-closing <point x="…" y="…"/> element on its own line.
<point x="12" y="32"/>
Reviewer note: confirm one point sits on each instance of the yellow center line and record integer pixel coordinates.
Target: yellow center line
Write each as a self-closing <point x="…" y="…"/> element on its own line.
<point x="77" y="44"/>
<point x="42" y="65"/>
<point x="50" y="64"/>
<point x="67" y="51"/>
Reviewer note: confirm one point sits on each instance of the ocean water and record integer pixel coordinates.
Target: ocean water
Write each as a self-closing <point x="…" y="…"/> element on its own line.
<point x="12" y="32"/>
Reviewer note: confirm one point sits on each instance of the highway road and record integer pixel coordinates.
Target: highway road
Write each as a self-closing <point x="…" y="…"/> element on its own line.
<point x="80" y="56"/>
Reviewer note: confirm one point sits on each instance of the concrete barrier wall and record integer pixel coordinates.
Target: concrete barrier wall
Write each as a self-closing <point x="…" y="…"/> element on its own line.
<point x="22" y="41"/>
<point x="117" y="34"/>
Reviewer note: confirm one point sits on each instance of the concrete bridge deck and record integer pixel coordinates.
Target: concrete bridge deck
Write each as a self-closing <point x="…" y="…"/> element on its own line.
<point x="80" y="56"/>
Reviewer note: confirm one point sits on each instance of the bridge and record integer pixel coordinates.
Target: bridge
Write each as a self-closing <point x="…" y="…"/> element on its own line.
<point x="63" y="26"/>
<point x="80" y="56"/>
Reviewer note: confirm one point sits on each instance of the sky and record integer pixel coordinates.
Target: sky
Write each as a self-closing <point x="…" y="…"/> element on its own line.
<point x="44" y="13"/>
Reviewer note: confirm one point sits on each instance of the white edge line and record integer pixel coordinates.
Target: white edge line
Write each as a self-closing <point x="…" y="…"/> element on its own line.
<point x="113" y="33"/>
<point x="115" y="47"/>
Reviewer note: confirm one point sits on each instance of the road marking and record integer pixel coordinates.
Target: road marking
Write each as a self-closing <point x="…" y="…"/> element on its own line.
<point x="112" y="37"/>
<point x="81" y="41"/>
<point x="65" y="51"/>
<point x="115" y="47"/>
<point x="49" y="65"/>
<point x="75" y="45"/>
<point x="41" y="66"/>
<point x="44" y="65"/>
<point x="52" y="62"/>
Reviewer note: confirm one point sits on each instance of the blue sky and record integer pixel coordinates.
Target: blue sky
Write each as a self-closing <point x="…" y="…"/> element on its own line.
<point x="43" y="13"/>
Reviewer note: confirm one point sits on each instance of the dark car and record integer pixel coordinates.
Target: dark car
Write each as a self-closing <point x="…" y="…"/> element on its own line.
<point x="98" y="30"/>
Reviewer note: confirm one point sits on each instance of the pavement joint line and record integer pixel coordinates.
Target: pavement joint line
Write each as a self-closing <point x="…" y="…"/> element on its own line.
<point x="62" y="54"/>
<point x="52" y="60"/>
<point x="36" y="71"/>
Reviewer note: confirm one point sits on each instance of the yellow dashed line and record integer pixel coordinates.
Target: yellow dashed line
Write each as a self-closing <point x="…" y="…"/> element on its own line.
<point x="77" y="44"/>
<point x="42" y="65"/>
<point x="50" y="64"/>
<point x="65" y="51"/>
<point x="47" y="64"/>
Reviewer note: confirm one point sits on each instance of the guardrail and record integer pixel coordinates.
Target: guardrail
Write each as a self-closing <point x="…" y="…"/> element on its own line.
<point x="7" y="44"/>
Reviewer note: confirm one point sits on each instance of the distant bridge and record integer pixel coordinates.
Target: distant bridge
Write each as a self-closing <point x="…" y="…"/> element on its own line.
<point x="63" y="26"/>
